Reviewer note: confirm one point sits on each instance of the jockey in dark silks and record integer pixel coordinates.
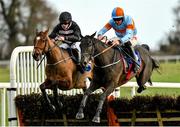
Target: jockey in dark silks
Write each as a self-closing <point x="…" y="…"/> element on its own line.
<point x="125" y="30"/>
<point x="68" y="32"/>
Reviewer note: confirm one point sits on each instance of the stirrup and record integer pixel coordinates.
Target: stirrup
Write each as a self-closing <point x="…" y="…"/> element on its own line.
<point x="80" y="68"/>
<point x="136" y="68"/>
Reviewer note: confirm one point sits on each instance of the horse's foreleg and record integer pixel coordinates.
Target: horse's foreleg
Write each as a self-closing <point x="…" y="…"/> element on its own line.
<point x="46" y="98"/>
<point x="80" y="114"/>
<point x="103" y="96"/>
<point x="59" y="104"/>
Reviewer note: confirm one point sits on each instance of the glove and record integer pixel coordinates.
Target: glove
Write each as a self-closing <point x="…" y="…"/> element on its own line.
<point x="110" y="42"/>
<point x="100" y="37"/>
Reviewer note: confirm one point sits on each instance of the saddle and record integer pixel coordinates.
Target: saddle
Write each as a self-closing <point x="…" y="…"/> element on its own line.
<point x="75" y="57"/>
<point x="128" y="63"/>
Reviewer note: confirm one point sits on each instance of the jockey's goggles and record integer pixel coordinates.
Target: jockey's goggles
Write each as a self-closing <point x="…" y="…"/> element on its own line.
<point x="117" y="19"/>
<point x="65" y="23"/>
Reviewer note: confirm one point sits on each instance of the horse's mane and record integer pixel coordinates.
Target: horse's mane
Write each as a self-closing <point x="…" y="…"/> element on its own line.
<point x="100" y="43"/>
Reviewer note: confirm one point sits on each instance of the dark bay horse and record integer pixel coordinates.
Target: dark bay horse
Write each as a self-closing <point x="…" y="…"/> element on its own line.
<point x="108" y="72"/>
<point x="61" y="72"/>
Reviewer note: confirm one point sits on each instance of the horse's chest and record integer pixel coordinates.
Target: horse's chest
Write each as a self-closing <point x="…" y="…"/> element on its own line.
<point x="55" y="72"/>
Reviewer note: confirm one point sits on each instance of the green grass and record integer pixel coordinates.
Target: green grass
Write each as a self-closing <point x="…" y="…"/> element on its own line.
<point x="170" y="72"/>
<point x="126" y="92"/>
<point x="4" y="74"/>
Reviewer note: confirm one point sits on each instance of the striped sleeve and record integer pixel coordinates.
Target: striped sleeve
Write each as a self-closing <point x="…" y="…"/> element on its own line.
<point x="129" y="30"/>
<point x="105" y="29"/>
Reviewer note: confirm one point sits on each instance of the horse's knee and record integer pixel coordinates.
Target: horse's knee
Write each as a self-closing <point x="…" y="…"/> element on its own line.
<point x="87" y="92"/>
<point x="42" y="86"/>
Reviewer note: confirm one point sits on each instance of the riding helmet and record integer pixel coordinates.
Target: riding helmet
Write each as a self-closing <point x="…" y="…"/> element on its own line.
<point x="65" y="17"/>
<point x="117" y="13"/>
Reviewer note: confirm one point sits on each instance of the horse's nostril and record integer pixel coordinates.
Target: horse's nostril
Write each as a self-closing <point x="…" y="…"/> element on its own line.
<point x="85" y="62"/>
<point x="35" y="55"/>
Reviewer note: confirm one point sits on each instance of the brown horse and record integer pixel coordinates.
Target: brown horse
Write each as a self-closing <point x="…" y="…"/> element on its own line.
<point x="109" y="71"/>
<point x="61" y="71"/>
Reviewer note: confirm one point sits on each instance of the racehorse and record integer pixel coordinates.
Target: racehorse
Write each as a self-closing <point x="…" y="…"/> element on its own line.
<point x="109" y="70"/>
<point x="61" y="72"/>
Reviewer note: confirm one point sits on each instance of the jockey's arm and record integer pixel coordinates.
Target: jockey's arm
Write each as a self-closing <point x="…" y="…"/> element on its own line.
<point x="53" y="34"/>
<point x="75" y="37"/>
<point x="130" y="27"/>
<point x="127" y="37"/>
<point x="106" y="28"/>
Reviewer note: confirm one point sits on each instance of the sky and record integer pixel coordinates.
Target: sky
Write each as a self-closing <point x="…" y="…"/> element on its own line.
<point x="154" y="19"/>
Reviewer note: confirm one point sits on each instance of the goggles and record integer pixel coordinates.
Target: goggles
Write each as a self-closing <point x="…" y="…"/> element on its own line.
<point x="65" y="23"/>
<point x="117" y="19"/>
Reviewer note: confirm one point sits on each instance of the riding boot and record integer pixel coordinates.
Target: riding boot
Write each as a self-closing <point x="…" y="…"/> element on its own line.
<point x="136" y="67"/>
<point x="133" y="55"/>
<point x="78" y="60"/>
<point x="78" y="57"/>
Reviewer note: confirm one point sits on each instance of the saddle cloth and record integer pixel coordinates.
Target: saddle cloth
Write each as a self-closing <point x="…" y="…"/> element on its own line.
<point x="128" y="63"/>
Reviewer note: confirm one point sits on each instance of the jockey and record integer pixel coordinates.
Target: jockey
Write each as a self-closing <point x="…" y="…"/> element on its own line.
<point x="68" y="32"/>
<point x="125" y="30"/>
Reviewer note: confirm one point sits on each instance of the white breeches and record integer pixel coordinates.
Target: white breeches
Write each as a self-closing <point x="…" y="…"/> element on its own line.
<point x="73" y="46"/>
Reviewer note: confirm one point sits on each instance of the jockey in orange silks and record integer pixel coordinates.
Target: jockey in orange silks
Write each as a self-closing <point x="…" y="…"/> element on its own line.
<point x="125" y="30"/>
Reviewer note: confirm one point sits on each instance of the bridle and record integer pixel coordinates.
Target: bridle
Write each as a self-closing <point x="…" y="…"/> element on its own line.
<point x="49" y="51"/>
<point x="100" y="53"/>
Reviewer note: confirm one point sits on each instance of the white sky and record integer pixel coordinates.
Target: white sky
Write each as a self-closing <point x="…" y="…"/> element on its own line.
<point x="153" y="18"/>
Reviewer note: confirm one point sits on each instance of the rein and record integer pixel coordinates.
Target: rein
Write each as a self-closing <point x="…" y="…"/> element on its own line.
<point x="108" y="65"/>
<point x="103" y="51"/>
<point x="59" y="61"/>
<point x="49" y="50"/>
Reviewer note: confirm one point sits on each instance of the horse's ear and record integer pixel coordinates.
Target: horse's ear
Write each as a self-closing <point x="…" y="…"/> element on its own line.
<point x="81" y="36"/>
<point x="93" y="34"/>
<point x="46" y="31"/>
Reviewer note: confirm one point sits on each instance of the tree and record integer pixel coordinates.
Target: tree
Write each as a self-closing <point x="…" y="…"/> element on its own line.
<point x="173" y="40"/>
<point x="20" y="19"/>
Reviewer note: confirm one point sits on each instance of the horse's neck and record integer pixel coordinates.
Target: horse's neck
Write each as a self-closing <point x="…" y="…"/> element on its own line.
<point x="104" y="57"/>
<point x="55" y="53"/>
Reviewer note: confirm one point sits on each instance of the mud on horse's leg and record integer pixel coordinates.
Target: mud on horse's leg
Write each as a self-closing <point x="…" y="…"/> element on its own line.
<point x="103" y="96"/>
<point x="46" y="98"/>
<point x="59" y="104"/>
<point x="80" y="114"/>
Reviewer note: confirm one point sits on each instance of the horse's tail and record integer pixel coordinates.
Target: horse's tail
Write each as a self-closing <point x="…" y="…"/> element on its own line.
<point x="156" y="64"/>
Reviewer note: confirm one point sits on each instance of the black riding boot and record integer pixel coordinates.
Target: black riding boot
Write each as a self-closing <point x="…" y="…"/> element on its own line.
<point x="78" y="60"/>
<point x="78" y="57"/>
<point x="132" y="54"/>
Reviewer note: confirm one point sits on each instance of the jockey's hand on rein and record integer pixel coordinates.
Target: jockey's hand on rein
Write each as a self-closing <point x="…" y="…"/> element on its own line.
<point x="100" y="37"/>
<point x="116" y="43"/>
<point x="61" y="38"/>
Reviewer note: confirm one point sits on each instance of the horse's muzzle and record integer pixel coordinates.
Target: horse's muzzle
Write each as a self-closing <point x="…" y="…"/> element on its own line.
<point x="36" y="56"/>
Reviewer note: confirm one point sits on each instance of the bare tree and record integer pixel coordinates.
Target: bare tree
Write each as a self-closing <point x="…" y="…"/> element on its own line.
<point x="21" y="18"/>
<point x="173" y="40"/>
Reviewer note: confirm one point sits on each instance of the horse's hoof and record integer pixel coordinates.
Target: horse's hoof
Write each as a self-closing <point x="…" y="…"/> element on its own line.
<point x="96" y="119"/>
<point x="140" y="89"/>
<point x="79" y="115"/>
<point x="60" y="105"/>
<point x="52" y="108"/>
